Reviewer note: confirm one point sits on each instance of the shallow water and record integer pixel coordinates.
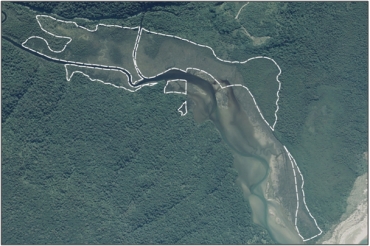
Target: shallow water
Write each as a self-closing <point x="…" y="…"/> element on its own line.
<point x="264" y="167"/>
<point x="251" y="159"/>
<point x="365" y="241"/>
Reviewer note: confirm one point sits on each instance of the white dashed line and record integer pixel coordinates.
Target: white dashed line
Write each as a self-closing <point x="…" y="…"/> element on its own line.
<point x="226" y="61"/>
<point x="134" y="53"/>
<point x="184" y="105"/>
<point x="293" y="162"/>
<point x="142" y="77"/>
<point x="176" y="92"/>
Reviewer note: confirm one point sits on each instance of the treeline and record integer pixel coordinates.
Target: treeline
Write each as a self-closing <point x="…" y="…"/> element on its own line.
<point x="97" y="10"/>
<point x="79" y="164"/>
<point x="83" y="162"/>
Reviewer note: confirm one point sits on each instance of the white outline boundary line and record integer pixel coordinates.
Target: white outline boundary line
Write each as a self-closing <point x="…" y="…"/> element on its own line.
<point x="135" y="53"/>
<point x="70" y="40"/>
<point x="68" y="77"/>
<point x="222" y="87"/>
<point x="115" y="68"/>
<point x="292" y="160"/>
<point x="226" y="61"/>
<point x="184" y="104"/>
<point x="236" y="17"/>
<point x="176" y="92"/>
<point x="81" y="64"/>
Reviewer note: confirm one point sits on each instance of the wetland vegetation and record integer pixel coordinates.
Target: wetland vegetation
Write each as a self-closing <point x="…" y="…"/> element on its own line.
<point x="86" y="163"/>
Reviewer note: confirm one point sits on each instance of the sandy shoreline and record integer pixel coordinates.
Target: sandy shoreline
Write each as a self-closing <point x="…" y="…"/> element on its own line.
<point x="353" y="228"/>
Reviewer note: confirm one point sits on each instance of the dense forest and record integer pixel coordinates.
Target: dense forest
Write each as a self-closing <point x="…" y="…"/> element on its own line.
<point x="86" y="163"/>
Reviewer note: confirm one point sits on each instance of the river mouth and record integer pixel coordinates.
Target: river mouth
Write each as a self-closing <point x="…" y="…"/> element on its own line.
<point x="217" y="101"/>
<point x="267" y="171"/>
<point x="226" y="113"/>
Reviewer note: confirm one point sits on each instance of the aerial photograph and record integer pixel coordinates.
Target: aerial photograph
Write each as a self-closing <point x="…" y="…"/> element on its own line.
<point x="184" y="123"/>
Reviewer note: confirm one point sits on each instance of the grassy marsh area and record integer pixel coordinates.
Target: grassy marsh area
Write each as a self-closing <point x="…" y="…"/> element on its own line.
<point x="86" y="163"/>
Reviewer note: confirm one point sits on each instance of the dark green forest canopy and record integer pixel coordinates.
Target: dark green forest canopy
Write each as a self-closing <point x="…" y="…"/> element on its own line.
<point x="98" y="10"/>
<point x="86" y="163"/>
